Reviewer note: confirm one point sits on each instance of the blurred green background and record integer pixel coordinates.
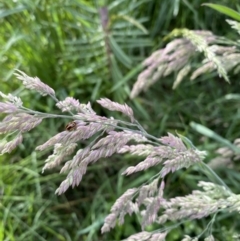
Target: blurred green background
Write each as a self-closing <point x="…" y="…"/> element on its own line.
<point x="69" y="47"/>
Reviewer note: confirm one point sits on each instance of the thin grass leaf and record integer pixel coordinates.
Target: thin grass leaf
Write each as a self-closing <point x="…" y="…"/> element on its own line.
<point x="209" y="133"/>
<point x="4" y="13"/>
<point x="225" y="10"/>
<point x="134" y="22"/>
<point x="119" y="53"/>
<point x="127" y="77"/>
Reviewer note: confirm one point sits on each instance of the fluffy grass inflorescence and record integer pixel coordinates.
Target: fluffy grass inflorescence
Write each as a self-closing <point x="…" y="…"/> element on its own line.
<point x="178" y="55"/>
<point x="108" y="136"/>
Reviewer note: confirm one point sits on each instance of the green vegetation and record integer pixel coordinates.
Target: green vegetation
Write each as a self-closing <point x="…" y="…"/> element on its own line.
<point x="68" y="46"/>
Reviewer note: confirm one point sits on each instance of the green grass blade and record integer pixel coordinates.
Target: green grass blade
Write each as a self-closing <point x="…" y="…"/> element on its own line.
<point x="225" y="10"/>
<point x="4" y="13"/>
<point x="209" y="133"/>
<point x="119" y="53"/>
<point x="134" y="22"/>
<point x="126" y="78"/>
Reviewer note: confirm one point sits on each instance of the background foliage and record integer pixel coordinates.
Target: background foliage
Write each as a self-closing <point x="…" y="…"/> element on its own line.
<point x="67" y="45"/>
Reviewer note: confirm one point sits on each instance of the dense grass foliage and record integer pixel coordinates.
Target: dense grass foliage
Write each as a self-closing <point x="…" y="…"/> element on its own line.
<point x="68" y="46"/>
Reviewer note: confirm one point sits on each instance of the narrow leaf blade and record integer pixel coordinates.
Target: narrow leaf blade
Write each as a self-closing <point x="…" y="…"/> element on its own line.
<point x="225" y="10"/>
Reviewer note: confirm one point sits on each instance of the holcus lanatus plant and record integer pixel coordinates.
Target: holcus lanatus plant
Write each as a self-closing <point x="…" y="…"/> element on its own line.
<point x="108" y="136"/>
